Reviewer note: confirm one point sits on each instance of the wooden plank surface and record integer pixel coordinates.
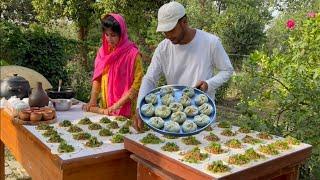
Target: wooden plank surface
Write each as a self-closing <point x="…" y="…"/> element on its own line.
<point x="168" y="164"/>
<point x="176" y="167"/>
<point x="149" y="171"/>
<point x="2" y="165"/>
<point x="34" y="157"/>
<point x="40" y="163"/>
<point x="118" y="169"/>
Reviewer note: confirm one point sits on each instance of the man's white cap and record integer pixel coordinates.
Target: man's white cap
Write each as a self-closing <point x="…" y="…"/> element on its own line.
<point x="168" y="16"/>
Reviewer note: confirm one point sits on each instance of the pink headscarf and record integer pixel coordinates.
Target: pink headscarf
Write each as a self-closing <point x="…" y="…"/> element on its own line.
<point x="121" y="66"/>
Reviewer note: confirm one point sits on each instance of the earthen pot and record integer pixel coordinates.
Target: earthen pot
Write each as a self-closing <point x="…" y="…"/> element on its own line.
<point x="24" y="115"/>
<point x="47" y="115"/>
<point x="35" y="116"/>
<point x="38" y="97"/>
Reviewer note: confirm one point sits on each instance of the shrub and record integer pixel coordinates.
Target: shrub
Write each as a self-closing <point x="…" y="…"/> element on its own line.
<point x="280" y="92"/>
<point x="45" y="52"/>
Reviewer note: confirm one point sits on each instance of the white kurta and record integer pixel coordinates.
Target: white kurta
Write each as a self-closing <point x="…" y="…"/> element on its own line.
<point x="189" y="63"/>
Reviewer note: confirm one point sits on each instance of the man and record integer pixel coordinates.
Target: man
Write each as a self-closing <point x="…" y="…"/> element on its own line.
<point x="186" y="57"/>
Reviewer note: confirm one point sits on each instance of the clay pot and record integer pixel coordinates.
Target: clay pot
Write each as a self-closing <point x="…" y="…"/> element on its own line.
<point x="49" y="109"/>
<point x="35" y="116"/>
<point x="38" y="97"/>
<point x="47" y="115"/>
<point x="24" y="115"/>
<point x="34" y="108"/>
<point x="14" y="86"/>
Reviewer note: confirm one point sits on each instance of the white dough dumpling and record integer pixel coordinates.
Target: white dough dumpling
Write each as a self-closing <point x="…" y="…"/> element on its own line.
<point x="151" y="98"/>
<point x="185" y="101"/>
<point x="171" y="126"/>
<point x="178" y="117"/>
<point x="147" y="110"/>
<point x="191" y="111"/>
<point x="189" y="126"/>
<point x="206" y="109"/>
<point x="162" y="111"/>
<point x="201" y="120"/>
<point x="189" y="91"/>
<point x="176" y="107"/>
<point x="167" y="99"/>
<point x="201" y="99"/>
<point x="166" y="90"/>
<point x="156" y="122"/>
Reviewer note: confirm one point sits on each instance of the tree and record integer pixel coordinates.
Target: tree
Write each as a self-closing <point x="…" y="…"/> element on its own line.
<point x="280" y="91"/>
<point x="140" y="17"/>
<point x="81" y="12"/>
<point x="241" y="27"/>
<point x="20" y="12"/>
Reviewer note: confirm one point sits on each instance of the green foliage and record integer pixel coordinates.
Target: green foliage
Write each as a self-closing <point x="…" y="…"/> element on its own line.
<point x="13" y="44"/>
<point x="241" y="27"/>
<point x="3" y="62"/>
<point x="19" y="12"/>
<point x="201" y="14"/>
<point x="141" y="21"/>
<point x="280" y="92"/>
<point x="37" y="49"/>
<point x="276" y="33"/>
<point x="79" y="80"/>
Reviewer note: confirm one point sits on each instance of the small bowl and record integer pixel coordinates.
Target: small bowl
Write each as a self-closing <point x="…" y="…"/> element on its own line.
<point x="47" y="115"/>
<point x="35" y="116"/>
<point x="62" y="104"/>
<point x="24" y="115"/>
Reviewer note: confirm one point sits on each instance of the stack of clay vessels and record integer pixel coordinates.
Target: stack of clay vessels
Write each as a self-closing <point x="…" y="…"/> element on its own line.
<point x="36" y="114"/>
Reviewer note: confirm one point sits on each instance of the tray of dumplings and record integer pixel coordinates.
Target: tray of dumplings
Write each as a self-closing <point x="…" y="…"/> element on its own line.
<point x="177" y="110"/>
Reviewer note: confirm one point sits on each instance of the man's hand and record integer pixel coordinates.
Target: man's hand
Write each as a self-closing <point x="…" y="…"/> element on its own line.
<point x="202" y="85"/>
<point x="137" y="122"/>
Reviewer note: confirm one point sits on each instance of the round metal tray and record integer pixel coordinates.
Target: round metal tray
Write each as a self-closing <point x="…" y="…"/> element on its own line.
<point x="177" y="94"/>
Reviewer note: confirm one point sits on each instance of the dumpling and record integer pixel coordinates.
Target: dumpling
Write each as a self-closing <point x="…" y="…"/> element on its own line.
<point x="206" y="109"/>
<point x="147" y="110"/>
<point x="166" y="90"/>
<point x="163" y="111"/>
<point x="185" y="101"/>
<point x="171" y="126"/>
<point x="151" y="98"/>
<point x="189" y="126"/>
<point x="167" y="99"/>
<point x="200" y="99"/>
<point x="178" y="117"/>
<point x="176" y="107"/>
<point x="201" y="120"/>
<point x="156" y="122"/>
<point x="188" y="92"/>
<point x="191" y="110"/>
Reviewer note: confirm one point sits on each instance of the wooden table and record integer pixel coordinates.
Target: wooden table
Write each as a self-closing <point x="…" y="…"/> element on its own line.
<point x="152" y="164"/>
<point x="40" y="163"/>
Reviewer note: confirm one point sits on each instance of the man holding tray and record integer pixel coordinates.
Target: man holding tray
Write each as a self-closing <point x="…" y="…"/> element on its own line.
<point x="186" y="57"/>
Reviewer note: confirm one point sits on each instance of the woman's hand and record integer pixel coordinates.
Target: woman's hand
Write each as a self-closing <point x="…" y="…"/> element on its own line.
<point x="86" y="107"/>
<point x="111" y="109"/>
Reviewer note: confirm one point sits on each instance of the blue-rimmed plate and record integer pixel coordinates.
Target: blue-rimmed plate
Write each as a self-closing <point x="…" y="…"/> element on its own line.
<point x="177" y="94"/>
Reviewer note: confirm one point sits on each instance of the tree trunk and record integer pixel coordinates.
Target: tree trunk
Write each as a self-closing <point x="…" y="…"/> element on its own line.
<point x="82" y="35"/>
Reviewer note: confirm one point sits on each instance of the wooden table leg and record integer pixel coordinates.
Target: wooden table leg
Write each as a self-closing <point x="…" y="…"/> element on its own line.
<point x="2" y="175"/>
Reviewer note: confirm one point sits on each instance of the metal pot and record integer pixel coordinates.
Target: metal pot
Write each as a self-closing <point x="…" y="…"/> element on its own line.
<point x="15" y="86"/>
<point x="67" y="93"/>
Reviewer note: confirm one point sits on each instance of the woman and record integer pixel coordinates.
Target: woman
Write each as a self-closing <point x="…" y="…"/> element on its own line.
<point x="118" y="70"/>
